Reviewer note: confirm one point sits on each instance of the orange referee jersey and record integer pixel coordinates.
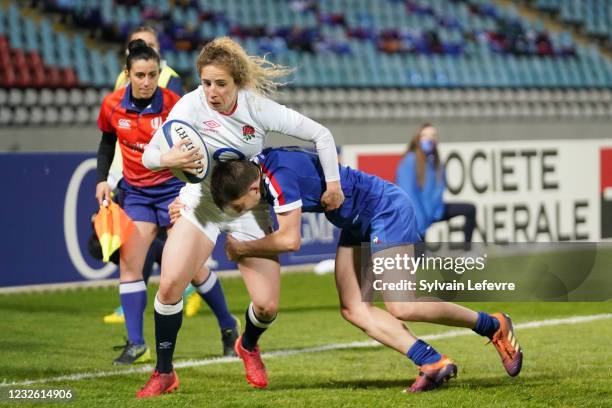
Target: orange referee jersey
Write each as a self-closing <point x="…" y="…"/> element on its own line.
<point x="134" y="129"/>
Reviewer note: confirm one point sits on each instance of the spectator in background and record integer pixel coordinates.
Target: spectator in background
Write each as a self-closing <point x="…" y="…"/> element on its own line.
<point x="302" y="39"/>
<point x="432" y="39"/>
<point x="421" y="175"/>
<point x="303" y="6"/>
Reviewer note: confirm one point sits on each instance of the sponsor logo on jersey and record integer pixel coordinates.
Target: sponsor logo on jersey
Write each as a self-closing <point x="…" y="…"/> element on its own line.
<point x="125" y="123"/>
<point x="248" y="132"/>
<point x="156" y="122"/>
<point x="137" y="147"/>
<point x="211" y="124"/>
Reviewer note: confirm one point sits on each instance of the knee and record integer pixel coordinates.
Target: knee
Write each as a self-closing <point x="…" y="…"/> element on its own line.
<point x="169" y="292"/>
<point x="354" y="314"/>
<point x="166" y="298"/>
<point x="266" y="310"/>
<point x="346" y="313"/>
<point x="127" y="270"/>
<point x="201" y="275"/>
<point x="403" y="311"/>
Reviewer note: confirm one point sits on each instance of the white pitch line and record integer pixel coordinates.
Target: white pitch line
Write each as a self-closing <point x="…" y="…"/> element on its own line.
<point x="291" y="352"/>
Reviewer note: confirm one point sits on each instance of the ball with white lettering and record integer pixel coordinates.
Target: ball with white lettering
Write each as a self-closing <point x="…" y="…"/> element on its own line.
<point x="176" y="130"/>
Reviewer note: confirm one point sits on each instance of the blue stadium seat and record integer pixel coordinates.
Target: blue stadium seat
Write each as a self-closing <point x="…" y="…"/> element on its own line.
<point x="31" y="36"/>
<point x="391" y="43"/>
<point x="112" y="66"/>
<point x="65" y="51"/>
<point x="184" y="62"/>
<point x="99" y="77"/>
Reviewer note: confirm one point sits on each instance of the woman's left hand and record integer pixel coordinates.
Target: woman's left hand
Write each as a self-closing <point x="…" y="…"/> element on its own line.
<point x="177" y="158"/>
<point x="333" y="197"/>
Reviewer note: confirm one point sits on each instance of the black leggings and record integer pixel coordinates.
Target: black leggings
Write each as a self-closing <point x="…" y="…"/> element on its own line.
<point x="466" y="209"/>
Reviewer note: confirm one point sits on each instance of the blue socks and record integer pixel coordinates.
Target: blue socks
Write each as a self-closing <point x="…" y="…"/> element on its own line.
<point x="211" y="291"/>
<point x="134" y="300"/>
<point x="422" y="353"/>
<point x="486" y="325"/>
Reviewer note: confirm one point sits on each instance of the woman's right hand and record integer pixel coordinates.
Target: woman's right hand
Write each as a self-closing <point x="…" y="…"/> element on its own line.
<point x="333" y="197"/>
<point x="176" y="158"/>
<point x="103" y="192"/>
<point x="174" y="210"/>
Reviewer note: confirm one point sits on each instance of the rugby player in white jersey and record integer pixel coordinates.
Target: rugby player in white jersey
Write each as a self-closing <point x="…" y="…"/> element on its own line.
<point x="231" y="111"/>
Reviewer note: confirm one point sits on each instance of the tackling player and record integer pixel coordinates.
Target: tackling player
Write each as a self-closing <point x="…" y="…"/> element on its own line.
<point x="376" y="211"/>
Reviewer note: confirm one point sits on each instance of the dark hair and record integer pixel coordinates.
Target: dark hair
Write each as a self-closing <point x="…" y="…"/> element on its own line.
<point x="139" y="50"/>
<point x="231" y="179"/>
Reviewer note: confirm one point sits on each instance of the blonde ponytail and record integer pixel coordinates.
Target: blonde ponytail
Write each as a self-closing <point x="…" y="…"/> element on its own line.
<point x="251" y="72"/>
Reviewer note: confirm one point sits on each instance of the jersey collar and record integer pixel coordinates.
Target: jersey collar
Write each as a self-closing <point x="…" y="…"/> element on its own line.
<point x="156" y="105"/>
<point x="231" y="112"/>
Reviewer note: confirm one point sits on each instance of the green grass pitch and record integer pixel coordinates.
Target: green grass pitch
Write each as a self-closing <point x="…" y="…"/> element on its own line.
<point x="48" y="335"/>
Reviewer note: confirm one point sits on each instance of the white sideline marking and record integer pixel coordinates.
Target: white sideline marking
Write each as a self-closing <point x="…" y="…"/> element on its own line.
<point x="291" y="352"/>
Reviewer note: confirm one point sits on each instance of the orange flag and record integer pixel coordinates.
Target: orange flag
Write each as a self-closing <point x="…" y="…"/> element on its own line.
<point x="113" y="227"/>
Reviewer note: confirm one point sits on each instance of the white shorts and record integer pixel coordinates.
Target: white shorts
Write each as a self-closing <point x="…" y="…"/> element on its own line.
<point x="208" y="218"/>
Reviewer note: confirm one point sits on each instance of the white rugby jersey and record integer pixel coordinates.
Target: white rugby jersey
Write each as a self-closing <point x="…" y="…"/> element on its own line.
<point x="240" y="134"/>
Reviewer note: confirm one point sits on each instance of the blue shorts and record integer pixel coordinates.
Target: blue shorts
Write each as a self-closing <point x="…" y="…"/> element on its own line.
<point x="393" y="223"/>
<point x="150" y="204"/>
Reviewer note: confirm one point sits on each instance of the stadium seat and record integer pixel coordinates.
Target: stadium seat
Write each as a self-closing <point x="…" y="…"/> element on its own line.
<point x="82" y="115"/>
<point x="30" y="97"/>
<point x="6" y="115"/>
<point x="15" y="97"/>
<point x="448" y="51"/>
<point x="61" y="97"/>
<point x="51" y="115"/>
<point x="92" y="97"/>
<point x="94" y="111"/>
<point x="45" y="97"/>
<point x="36" y="115"/>
<point x="20" y="115"/>
<point x="67" y="115"/>
<point x="75" y="97"/>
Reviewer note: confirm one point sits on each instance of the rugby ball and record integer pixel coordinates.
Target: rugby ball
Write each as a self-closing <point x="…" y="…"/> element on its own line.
<point x="175" y="130"/>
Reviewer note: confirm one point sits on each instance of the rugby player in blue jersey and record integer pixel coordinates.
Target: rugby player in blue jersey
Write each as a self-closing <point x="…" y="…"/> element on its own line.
<point x="375" y="211"/>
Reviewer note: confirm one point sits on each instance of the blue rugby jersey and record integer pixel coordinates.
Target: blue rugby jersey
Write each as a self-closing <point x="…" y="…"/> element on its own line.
<point x="293" y="178"/>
